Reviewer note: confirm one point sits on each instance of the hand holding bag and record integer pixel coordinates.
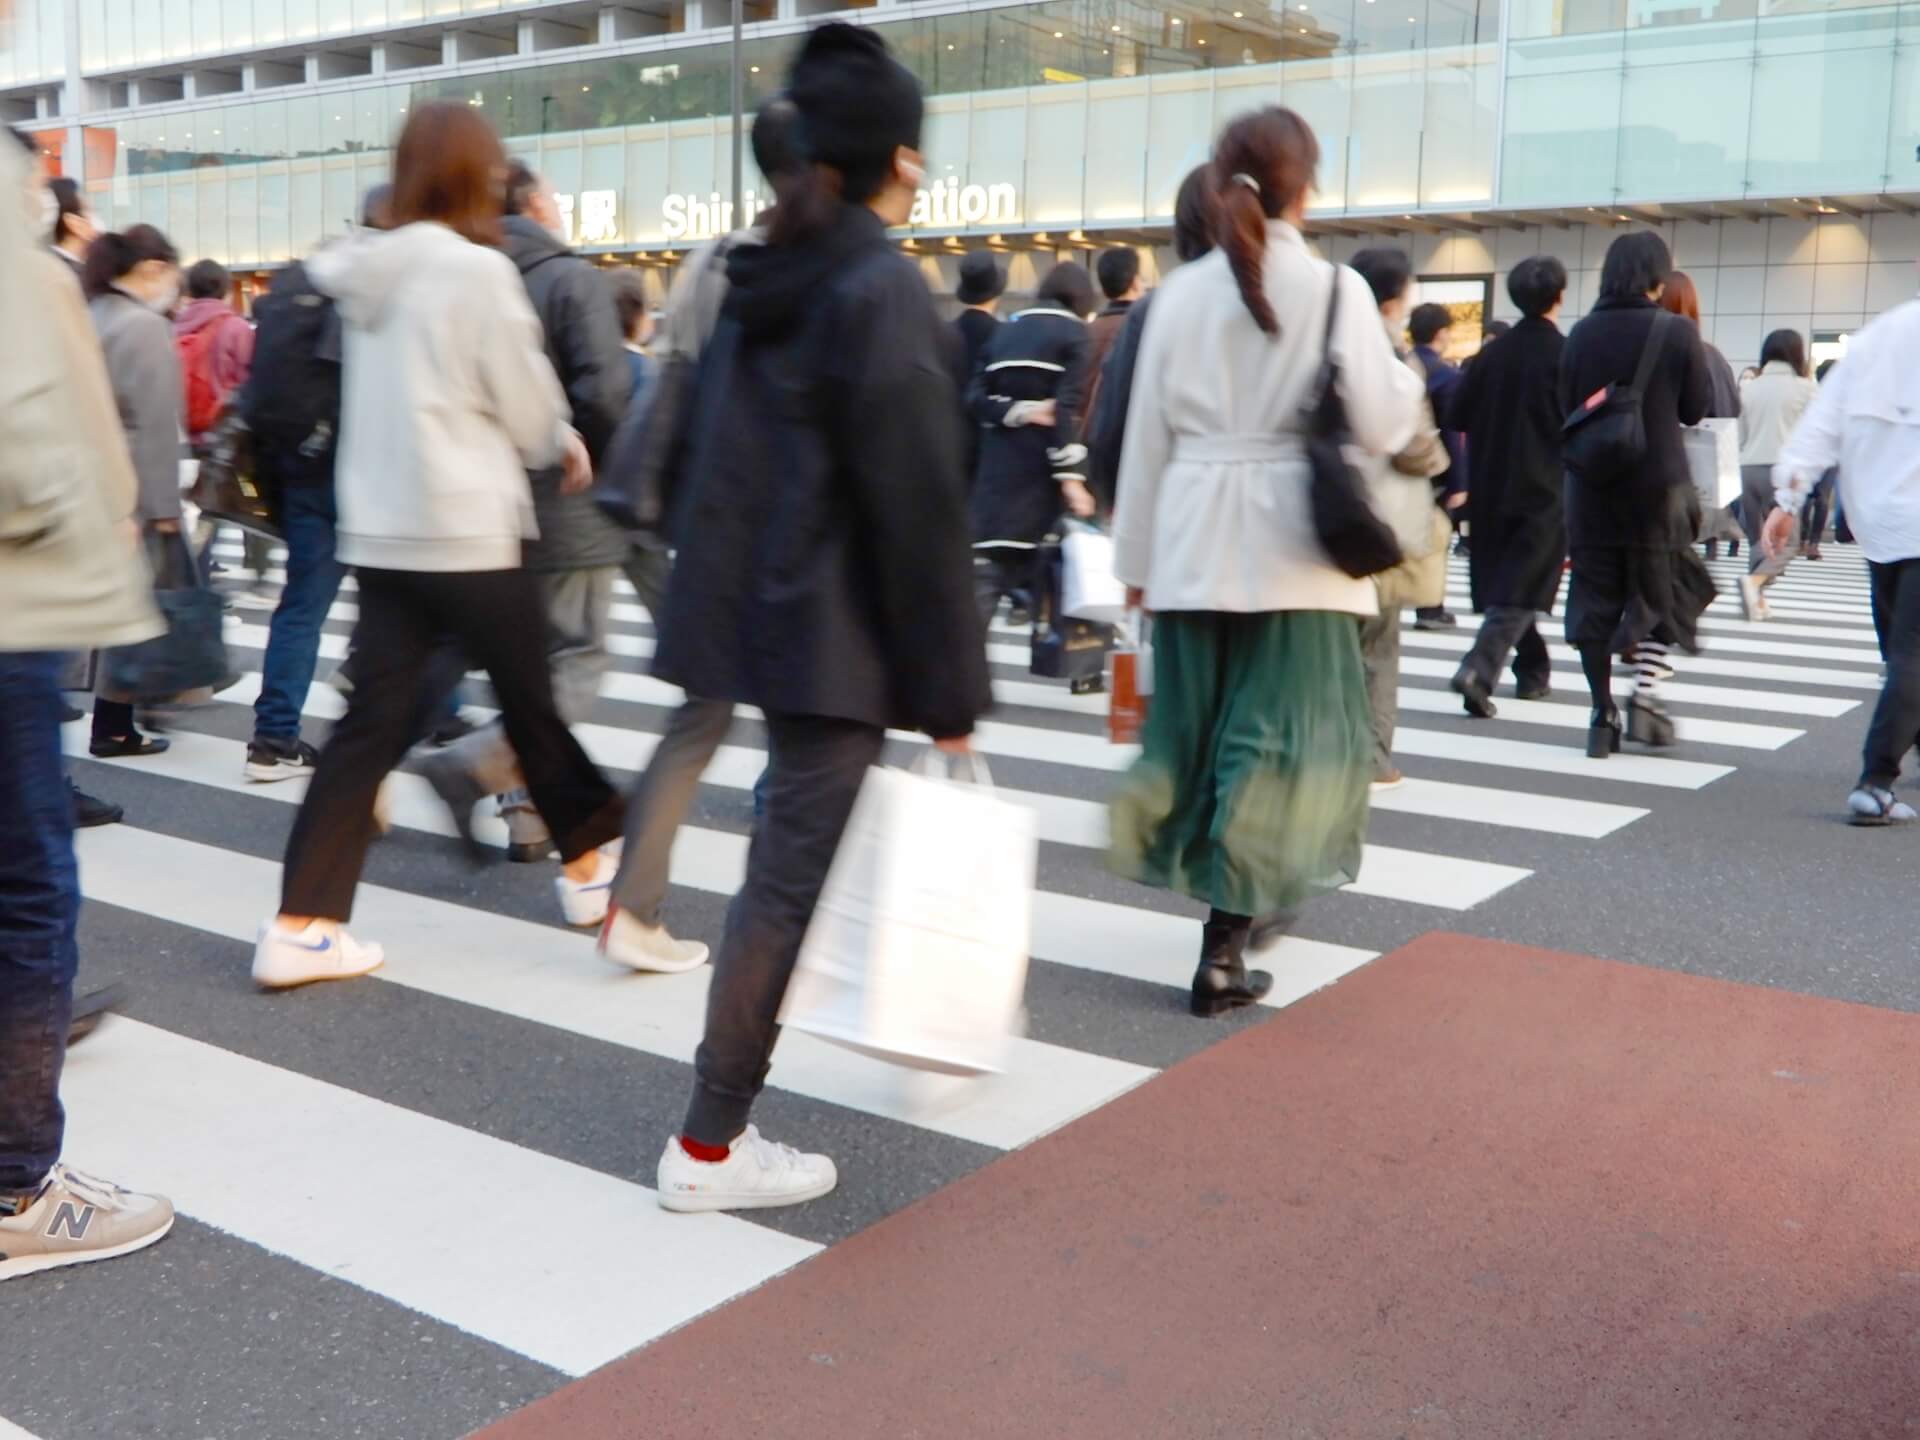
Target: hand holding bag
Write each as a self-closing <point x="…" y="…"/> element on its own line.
<point x="1130" y="679"/>
<point x="917" y="952"/>
<point x="226" y="487"/>
<point x="1355" y="537"/>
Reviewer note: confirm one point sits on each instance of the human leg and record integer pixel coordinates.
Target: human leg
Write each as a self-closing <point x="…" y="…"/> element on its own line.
<point x="1500" y="628"/>
<point x="1380" y="661"/>
<point x="1896" y="716"/>
<point x="293" y="637"/>
<point x="661" y="800"/>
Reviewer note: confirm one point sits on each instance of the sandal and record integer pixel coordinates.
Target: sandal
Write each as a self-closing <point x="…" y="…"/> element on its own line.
<point x="1870" y="805"/>
<point x="128" y="747"/>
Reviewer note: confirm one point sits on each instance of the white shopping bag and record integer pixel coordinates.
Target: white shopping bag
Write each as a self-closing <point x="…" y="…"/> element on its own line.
<point x="1713" y="460"/>
<point x="1088" y="587"/>
<point x="917" y="953"/>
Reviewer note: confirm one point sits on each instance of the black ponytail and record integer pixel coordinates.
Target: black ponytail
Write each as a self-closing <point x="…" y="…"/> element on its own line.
<point x="114" y="252"/>
<point x="1263" y="163"/>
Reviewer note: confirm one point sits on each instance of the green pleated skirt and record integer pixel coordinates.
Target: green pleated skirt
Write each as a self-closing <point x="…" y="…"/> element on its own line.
<point x="1250" y="792"/>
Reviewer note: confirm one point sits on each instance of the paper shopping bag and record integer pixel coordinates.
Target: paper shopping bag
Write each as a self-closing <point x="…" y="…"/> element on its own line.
<point x="917" y="953"/>
<point x="1130" y="681"/>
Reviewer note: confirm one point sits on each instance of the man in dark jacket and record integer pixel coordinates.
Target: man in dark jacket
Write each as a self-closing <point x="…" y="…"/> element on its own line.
<point x="1508" y="407"/>
<point x="1118" y="271"/>
<point x="1427" y="327"/>
<point x="580" y="550"/>
<point x="822" y="572"/>
<point x="982" y="282"/>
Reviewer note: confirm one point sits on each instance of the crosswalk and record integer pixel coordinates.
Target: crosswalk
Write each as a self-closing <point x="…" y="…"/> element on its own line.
<point x="452" y="1076"/>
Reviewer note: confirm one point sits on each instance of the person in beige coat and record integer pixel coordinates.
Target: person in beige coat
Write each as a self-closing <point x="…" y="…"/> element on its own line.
<point x="1771" y="404"/>
<point x="71" y="578"/>
<point x="1251" y="789"/>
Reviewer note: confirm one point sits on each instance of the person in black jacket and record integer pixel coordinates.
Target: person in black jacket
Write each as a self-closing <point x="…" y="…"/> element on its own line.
<point x="822" y="572"/>
<point x="1508" y="407"/>
<point x="1027" y="399"/>
<point x="579" y="550"/>
<point x="1638" y="587"/>
<point x="1107" y="424"/>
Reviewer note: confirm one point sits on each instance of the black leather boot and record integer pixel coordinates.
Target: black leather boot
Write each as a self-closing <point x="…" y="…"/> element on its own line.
<point x="1223" y="982"/>
<point x="1603" y="734"/>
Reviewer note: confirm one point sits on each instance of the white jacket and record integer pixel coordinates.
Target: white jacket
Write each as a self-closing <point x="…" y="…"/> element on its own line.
<point x="1213" y="511"/>
<point x="1771" y="404"/>
<point x="447" y="401"/>
<point x="1866" y="420"/>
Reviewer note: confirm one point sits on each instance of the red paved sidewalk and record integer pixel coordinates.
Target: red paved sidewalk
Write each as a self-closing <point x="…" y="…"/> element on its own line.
<point x="1474" y="1190"/>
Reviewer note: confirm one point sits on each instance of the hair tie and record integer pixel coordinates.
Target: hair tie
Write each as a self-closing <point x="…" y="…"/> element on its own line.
<point x="1240" y="177"/>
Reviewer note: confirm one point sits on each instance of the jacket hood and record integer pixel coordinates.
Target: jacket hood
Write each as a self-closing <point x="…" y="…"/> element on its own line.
<point x="770" y="286"/>
<point x="197" y="315"/>
<point x="528" y="244"/>
<point x="364" y="272"/>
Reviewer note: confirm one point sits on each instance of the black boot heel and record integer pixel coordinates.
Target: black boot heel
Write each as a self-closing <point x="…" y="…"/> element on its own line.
<point x="1648" y="724"/>
<point x="1603" y="734"/>
<point x="1223" y="982"/>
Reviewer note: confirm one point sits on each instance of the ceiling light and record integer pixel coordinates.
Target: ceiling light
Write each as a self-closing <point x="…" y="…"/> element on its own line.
<point x="1203" y="39"/>
<point x="1239" y="15"/>
<point x="1116" y="29"/>
<point x="949" y="47"/>
<point x="1176" y="20"/>
<point x="1059" y="35"/>
<point x="585" y="88"/>
<point x="754" y="68"/>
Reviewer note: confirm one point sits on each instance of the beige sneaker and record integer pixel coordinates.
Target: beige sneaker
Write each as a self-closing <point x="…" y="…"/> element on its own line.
<point x="76" y="1219"/>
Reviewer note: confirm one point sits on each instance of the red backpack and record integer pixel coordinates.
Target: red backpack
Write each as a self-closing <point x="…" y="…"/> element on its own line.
<point x="203" y="397"/>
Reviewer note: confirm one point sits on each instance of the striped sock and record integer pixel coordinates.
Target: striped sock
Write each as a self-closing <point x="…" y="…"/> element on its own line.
<point x="1649" y="668"/>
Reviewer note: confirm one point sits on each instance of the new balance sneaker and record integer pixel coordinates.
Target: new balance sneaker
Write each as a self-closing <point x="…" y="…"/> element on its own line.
<point x="270" y="759"/>
<point x="322" y="950"/>
<point x="756" y="1175"/>
<point x="75" y="1219"/>
<point x="627" y="940"/>
<point x="584" y="903"/>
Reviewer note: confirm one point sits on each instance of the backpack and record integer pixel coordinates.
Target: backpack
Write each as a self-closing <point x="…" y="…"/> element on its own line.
<point x="292" y="397"/>
<point x="1605" y="438"/>
<point x="196" y="361"/>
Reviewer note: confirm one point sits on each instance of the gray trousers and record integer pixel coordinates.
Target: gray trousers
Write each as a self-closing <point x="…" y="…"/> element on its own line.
<point x="1756" y="503"/>
<point x="579" y="612"/>
<point x="1380" y="660"/>
<point x="660" y="802"/>
<point x="818" y="765"/>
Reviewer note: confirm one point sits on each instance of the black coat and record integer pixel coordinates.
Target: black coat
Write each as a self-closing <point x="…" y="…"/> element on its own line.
<point x="1113" y="401"/>
<point x="1508" y="407"/>
<point x="1636" y="574"/>
<point x="1040" y="354"/>
<point x="582" y="330"/>
<point x="820" y="511"/>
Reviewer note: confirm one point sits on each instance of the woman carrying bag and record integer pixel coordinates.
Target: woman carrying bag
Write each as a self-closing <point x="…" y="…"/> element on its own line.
<point x="1251" y="789"/>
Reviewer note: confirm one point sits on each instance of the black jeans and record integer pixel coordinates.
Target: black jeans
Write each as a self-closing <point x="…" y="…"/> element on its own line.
<point x="1896" y="718"/>
<point x="39" y="908"/>
<point x="818" y="764"/>
<point x="1001" y="572"/>
<point x="499" y="618"/>
<point x="1510" y="630"/>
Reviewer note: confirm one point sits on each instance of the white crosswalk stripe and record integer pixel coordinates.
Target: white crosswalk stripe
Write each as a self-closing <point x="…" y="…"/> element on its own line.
<point x="1486" y="805"/>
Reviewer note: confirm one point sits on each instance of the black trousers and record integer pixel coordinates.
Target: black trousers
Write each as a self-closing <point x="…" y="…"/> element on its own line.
<point x="1896" y="718"/>
<point x="1001" y="572"/>
<point x="1510" y="630"/>
<point x="499" y="618"/>
<point x="815" y="774"/>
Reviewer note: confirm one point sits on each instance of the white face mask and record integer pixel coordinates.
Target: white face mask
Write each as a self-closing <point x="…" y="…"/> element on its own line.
<point x="163" y="302"/>
<point x="49" y="211"/>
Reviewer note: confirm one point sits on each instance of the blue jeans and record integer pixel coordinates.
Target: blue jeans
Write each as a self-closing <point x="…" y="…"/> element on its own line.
<point x="39" y="908"/>
<point x="307" y="520"/>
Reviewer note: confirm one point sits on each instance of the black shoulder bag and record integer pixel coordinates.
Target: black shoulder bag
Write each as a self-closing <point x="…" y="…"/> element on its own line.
<point x="1351" y="532"/>
<point x="1605" y="438"/>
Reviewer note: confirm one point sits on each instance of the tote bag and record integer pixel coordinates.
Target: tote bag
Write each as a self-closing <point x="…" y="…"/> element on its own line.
<point x="1089" y="589"/>
<point x="917" y="953"/>
<point x="191" y="655"/>
<point x="1713" y="461"/>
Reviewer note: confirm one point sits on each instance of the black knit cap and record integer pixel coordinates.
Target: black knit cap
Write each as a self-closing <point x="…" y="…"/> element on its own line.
<point x="857" y="105"/>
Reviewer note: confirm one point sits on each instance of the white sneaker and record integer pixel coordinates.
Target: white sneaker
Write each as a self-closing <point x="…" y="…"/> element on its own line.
<point x="322" y="951"/>
<point x="584" y="903"/>
<point x="253" y="600"/>
<point x="76" y="1218"/>
<point x="757" y="1175"/>
<point x="1753" y="602"/>
<point x="628" y="941"/>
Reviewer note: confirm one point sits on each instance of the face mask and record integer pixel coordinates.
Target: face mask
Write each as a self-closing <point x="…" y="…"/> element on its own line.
<point x="49" y="211"/>
<point x="163" y="302"/>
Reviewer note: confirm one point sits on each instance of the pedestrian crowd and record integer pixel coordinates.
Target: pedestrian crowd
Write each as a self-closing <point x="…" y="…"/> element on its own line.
<point x="824" y="494"/>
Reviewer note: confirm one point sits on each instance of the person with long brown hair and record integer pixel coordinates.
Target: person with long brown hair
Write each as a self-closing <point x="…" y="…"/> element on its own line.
<point x="1682" y="298"/>
<point x="1251" y="789"/>
<point x="447" y="400"/>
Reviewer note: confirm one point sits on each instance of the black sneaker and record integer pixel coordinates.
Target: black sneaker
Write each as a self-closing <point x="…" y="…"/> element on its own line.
<point x="1436" y="618"/>
<point x="269" y="759"/>
<point x="91" y="1008"/>
<point x="91" y="810"/>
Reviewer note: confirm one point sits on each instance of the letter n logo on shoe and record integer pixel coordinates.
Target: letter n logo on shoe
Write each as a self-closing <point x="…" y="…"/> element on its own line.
<point x="76" y="1220"/>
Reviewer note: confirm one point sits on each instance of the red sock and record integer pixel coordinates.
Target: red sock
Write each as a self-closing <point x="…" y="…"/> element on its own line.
<point x="712" y="1154"/>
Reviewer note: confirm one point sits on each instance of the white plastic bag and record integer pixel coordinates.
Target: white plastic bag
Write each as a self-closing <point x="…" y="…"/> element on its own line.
<point x="917" y="953"/>
<point x="1713" y="460"/>
<point x="1089" y="589"/>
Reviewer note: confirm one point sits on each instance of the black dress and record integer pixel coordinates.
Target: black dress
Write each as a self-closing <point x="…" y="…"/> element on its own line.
<point x="1509" y="409"/>
<point x="1635" y="573"/>
<point x="1040" y="354"/>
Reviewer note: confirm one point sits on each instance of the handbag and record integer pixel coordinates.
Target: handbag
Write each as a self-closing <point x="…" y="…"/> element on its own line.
<point x="1089" y="590"/>
<point x="917" y="951"/>
<point x="1063" y="648"/>
<point x="1354" y="536"/>
<point x="227" y="485"/>
<point x="192" y="652"/>
<point x="1712" y="449"/>
<point x="1130" y="679"/>
<point x="1605" y="438"/>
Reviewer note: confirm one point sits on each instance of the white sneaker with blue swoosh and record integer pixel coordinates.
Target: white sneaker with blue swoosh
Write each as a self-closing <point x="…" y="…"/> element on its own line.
<point x="321" y="950"/>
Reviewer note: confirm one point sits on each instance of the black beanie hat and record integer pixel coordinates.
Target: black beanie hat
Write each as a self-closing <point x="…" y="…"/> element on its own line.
<point x="857" y="105"/>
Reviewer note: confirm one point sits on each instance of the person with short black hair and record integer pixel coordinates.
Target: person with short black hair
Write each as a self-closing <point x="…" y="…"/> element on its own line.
<point x="1118" y="270"/>
<point x="1771" y="404"/>
<point x="1638" y="586"/>
<point x="1027" y="400"/>
<point x="73" y="227"/>
<point x="1508" y="407"/>
<point x="982" y="282"/>
<point x="1427" y="327"/>
<point x="216" y="355"/>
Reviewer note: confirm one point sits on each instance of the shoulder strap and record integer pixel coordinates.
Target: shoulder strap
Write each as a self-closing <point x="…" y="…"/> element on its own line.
<point x="1333" y="310"/>
<point x="1650" y="352"/>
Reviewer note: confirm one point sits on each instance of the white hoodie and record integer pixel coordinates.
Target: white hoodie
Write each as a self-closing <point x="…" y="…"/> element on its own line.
<point x="447" y="401"/>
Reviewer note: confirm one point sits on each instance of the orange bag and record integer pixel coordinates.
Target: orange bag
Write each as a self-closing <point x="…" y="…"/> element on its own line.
<point x="1129" y="682"/>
